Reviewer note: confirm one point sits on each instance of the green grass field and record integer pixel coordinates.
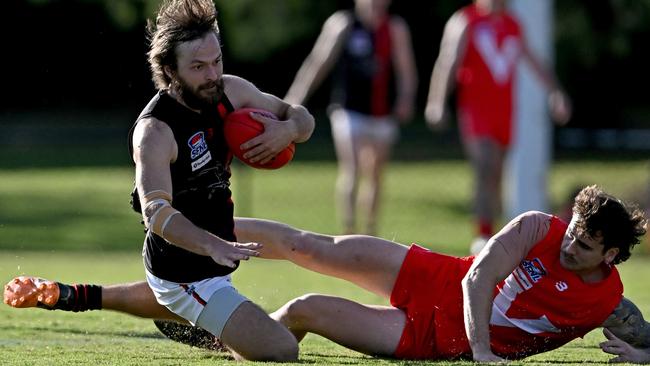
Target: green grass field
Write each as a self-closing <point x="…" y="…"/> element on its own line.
<point x="73" y="224"/>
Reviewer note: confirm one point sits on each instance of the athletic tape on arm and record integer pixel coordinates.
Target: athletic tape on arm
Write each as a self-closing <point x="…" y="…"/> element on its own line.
<point x="157" y="211"/>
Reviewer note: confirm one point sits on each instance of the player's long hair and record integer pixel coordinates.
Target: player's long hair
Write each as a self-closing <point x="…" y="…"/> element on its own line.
<point x="602" y="215"/>
<point x="178" y="21"/>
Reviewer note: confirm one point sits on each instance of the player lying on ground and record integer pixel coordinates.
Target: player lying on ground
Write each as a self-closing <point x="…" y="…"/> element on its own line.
<point x="538" y="284"/>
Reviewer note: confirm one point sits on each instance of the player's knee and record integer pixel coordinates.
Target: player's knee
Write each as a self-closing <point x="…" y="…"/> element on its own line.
<point x="288" y="351"/>
<point x="281" y="353"/>
<point x="301" y="310"/>
<point x="283" y="350"/>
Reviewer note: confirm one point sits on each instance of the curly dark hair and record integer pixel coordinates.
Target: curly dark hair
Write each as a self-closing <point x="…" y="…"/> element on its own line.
<point x="177" y="21"/>
<point x="599" y="214"/>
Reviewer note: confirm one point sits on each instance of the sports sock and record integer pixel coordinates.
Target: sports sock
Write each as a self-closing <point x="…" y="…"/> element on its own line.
<point x="485" y="229"/>
<point x="79" y="297"/>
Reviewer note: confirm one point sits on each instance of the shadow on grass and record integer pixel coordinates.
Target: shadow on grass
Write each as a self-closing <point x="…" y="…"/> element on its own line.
<point x="92" y="332"/>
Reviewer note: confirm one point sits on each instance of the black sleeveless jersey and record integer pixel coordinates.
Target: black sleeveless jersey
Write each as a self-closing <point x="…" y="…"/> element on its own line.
<point x="363" y="78"/>
<point x="201" y="187"/>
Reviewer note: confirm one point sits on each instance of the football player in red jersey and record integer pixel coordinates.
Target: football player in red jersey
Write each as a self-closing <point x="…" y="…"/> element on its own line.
<point x="539" y="283"/>
<point x="481" y="47"/>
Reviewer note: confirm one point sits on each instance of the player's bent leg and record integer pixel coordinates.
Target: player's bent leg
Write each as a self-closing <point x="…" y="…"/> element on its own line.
<point x="346" y="146"/>
<point x="214" y="305"/>
<point x="375" y="155"/>
<point x="368" y="262"/>
<point x="374" y="330"/>
<point x="252" y="335"/>
<point x="486" y="157"/>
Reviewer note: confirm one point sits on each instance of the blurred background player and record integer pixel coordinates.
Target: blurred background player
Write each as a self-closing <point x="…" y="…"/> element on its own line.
<point x="374" y="84"/>
<point x="480" y="49"/>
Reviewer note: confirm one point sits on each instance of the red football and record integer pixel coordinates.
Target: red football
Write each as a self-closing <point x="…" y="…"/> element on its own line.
<point x="240" y="127"/>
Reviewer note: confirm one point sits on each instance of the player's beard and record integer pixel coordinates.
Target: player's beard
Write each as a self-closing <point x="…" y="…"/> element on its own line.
<point x="204" y="97"/>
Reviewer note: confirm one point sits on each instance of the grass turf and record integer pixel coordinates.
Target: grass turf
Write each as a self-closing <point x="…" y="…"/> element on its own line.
<point x="39" y="337"/>
<point x="73" y="224"/>
<point x="86" y="208"/>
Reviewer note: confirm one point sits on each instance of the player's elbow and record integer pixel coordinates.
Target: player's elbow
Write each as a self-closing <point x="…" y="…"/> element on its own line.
<point x="470" y="280"/>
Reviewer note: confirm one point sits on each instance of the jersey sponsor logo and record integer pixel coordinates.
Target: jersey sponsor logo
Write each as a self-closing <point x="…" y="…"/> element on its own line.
<point x="198" y="164"/>
<point x="534" y="268"/>
<point x="197" y="145"/>
<point x="521" y="279"/>
<point x="561" y="286"/>
<point x="501" y="61"/>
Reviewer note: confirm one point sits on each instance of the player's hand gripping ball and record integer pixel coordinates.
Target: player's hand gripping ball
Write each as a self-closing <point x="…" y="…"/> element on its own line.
<point x="240" y="127"/>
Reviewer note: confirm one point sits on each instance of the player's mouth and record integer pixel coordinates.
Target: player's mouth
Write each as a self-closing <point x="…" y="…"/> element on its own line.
<point x="568" y="258"/>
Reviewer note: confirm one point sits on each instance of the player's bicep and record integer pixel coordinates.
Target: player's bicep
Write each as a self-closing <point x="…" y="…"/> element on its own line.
<point x="492" y="263"/>
<point x="511" y="245"/>
<point x="454" y="39"/>
<point x="628" y="324"/>
<point x="154" y="149"/>
<point x="329" y="44"/>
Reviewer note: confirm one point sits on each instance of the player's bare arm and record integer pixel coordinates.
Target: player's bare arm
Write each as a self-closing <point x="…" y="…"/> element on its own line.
<point x="498" y="259"/>
<point x="404" y="61"/>
<point x="154" y="149"/>
<point x="559" y="102"/>
<point x="452" y="48"/>
<point x="627" y="323"/>
<point x="296" y="123"/>
<point x="322" y="58"/>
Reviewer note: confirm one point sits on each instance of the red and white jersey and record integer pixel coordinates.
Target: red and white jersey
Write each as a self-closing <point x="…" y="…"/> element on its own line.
<point x="541" y="305"/>
<point x="538" y="307"/>
<point x="486" y="71"/>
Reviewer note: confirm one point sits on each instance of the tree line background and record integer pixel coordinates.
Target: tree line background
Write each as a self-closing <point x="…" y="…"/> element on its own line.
<point x="91" y="53"/>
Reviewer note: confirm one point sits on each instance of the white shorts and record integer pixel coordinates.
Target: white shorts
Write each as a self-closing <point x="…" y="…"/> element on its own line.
<point x="347" y="124"/>
<point x="208" y="303"/>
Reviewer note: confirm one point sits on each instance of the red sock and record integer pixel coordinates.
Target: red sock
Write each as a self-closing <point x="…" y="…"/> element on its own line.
<point x="485" y="228"/>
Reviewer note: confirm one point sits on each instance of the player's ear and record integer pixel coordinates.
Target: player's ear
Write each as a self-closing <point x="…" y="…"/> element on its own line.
<point x="169" y="72"/>
<point x="610" y="255"/>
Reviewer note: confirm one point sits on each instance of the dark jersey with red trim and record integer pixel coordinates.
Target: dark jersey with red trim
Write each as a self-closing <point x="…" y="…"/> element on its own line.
<point x="363" y="77"/>
<point x="201" y="187"/>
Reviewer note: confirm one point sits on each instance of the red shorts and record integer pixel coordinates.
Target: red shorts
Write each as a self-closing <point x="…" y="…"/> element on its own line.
<point x="428" y="286"/>
<point x="474" y="125"/>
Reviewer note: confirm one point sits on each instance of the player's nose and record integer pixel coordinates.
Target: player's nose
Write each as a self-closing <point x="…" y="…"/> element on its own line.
<point x="213" y="73"/>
